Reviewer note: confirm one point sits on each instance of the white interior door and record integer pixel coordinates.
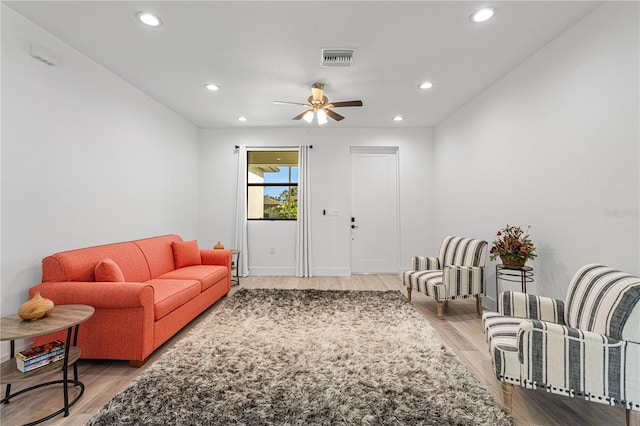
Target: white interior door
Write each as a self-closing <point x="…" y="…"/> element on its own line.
<point x="374" y="210"/>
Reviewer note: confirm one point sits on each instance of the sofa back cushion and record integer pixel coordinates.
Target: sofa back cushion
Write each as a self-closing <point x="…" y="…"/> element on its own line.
<point x="605" y="301"/>
<point x="159" y="254"/>
<point x="79" y="264"/>
<point x="460" y="251"/>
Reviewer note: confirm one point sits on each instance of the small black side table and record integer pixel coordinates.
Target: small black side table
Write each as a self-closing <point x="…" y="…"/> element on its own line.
<point x="235" y="266"/>
<point x="521" y="274"/>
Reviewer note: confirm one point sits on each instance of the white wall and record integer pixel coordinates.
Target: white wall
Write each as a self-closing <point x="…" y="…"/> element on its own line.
<point x="86" y="159"/>
<point x="330" y="161"/>
<point x="555" y="145"/>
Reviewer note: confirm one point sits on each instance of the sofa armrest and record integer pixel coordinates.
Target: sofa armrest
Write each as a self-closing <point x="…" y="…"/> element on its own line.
<point x="108" y="295"/>
<point x="531" y="306"/>
<point x="453" y="273"/>
<point x="424" y="263"/>
<point x="577" y="362"/>
<point x="122" y="326"/>
<point x="216" y="257"/>
<point x="464" y="279"/>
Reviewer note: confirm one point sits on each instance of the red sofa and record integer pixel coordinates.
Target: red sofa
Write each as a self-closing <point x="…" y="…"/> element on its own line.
<point x="143" y="292"/>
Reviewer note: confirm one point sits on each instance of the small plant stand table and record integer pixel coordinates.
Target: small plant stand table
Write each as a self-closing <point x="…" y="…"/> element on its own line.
<point x="12" y="328"/>
<point x="517" y="274"/>
<point x="235" y="266"/>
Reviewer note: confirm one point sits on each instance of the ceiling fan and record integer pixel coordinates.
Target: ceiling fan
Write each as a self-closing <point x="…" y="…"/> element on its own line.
<point x="319" y="106"/>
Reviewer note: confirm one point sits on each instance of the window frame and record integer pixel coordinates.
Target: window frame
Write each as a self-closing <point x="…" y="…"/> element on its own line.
<point x="288" y="184"/>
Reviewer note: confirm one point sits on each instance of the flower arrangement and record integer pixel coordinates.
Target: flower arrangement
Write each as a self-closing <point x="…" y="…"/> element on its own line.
<point x="513" y="246"/>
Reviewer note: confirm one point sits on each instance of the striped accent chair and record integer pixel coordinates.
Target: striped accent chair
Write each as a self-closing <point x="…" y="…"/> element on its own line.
<point x="586" y="347"/>
<point x="457" y="273"/>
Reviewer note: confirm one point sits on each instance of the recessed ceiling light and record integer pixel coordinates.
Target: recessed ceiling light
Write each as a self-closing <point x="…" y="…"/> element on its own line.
<point x="149" y="19"/>
<point x="212" y="87"/>
<point x="482" y="15"/>
<point x="242" y="118"/>
<point x="398" y="118"/>
<point x="426" y="85"/>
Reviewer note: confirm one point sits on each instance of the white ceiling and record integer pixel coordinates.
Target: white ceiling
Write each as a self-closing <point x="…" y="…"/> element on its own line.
<point x="263" y="51"/>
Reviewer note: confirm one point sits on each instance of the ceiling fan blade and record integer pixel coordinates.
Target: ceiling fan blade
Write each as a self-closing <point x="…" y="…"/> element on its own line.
<point x="299" y="116"/>
<point x="333" y="115"/>
<point x="317" y="92"/>
<point x="289" y="103"/>
<point x="346" y="104"/>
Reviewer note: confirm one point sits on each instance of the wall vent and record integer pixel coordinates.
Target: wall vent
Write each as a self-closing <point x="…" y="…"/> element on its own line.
<point x="338" y="57"/>
<point x="40" y="53"/>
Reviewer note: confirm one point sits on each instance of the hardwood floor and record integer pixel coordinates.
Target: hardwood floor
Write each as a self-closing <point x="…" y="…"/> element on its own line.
<point x="461" y="329"/>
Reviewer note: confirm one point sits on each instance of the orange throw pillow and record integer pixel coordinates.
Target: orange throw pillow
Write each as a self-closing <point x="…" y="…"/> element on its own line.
<point x="186" y="253"/>
<point x="107" y="270"/>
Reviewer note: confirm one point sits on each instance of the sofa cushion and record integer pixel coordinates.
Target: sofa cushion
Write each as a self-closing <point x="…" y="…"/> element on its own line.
<point x="169" y="295"/>
<point x="186" y="253"/>
<point x="107" y="270"/>
<point x="208" y="275"/>
<point x="159" y="253"/>
<point x="79" y="264"/>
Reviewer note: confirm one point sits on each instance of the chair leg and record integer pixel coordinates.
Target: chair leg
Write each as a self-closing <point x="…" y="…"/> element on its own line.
<point x="507" y="390"/>
<point x="439" y="304"/>
<point x="479" y="307"/>
<point x="409" y="293"/>
<point x="633" y="418"/>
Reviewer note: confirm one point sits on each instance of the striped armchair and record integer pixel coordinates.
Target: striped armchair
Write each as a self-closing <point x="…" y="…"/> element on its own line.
<point x="457" y="273"/>
<point x="587" y="347"/>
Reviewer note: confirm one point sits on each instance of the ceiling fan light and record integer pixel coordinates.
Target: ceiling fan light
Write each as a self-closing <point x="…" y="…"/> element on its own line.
<point x="308" y="116"/>
<point x="211" y="86"/>
<point x="426" y="85"/>
<point x="322" y="116"/>
<point x="398" y="118"/>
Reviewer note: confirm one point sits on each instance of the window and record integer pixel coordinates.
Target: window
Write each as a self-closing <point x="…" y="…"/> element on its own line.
<point x="272" y="185"/>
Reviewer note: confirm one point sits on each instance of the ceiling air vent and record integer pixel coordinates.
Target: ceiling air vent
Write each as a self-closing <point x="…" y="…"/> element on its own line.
<point x="337" y="57"/>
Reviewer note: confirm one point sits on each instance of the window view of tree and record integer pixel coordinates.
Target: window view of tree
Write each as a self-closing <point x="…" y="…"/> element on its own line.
<point x="272" y="185"/>
<point x="288" y="205"/>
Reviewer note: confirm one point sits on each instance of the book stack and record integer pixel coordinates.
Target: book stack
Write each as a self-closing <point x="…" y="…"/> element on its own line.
<point x="42" y="355"/>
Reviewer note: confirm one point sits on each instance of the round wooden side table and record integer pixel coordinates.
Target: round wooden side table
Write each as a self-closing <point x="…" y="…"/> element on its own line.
<point x="12" y="328"/>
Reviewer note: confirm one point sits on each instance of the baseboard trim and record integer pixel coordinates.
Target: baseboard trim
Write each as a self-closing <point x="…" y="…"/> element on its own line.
<point x="289" y="271"/>
<point x="269" y="270"/>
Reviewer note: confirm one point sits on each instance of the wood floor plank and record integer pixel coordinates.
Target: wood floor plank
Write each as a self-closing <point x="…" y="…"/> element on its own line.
<point x="461" y="329"/>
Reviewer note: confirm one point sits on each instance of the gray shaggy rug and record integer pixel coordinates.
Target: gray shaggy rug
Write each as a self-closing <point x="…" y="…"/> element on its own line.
<point x="307" y="357"/>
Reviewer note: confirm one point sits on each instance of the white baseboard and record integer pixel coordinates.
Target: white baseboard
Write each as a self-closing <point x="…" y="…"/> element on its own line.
<point x="332" y="272"/>
<point x="269" y="270"/>
<point x="288" y="271"/>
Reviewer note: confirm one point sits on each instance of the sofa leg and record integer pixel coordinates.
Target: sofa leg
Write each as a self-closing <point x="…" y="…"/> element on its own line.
<point x="479" y="307"/>
<point x="633" y="418"/>
<point x="439" y="304"/>
<point x="409" y="293"/>
<point x="137" y="363"/>
<point x="507" y="391"/>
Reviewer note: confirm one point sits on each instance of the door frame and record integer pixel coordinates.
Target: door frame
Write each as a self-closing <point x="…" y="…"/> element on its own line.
<point x="389" y="150"/>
